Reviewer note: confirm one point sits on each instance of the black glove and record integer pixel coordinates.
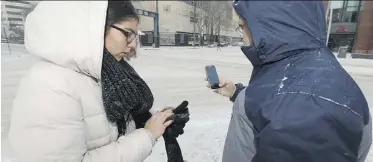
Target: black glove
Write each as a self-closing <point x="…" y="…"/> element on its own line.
<point x="180" y="118"/>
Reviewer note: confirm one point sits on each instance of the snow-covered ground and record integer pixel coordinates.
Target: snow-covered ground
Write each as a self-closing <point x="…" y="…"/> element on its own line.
<point x="176" y="74"/>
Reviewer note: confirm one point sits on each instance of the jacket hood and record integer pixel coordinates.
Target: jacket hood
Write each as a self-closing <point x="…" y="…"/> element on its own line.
<point x="280" y="29"/>
<point x="69" y="34"/>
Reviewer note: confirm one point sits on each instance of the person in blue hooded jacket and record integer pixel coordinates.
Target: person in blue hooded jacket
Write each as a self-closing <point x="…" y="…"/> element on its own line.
<point x="300" y="104"/>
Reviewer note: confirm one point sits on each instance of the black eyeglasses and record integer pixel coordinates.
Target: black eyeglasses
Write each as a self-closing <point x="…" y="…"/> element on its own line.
<point x="129" y="35"/>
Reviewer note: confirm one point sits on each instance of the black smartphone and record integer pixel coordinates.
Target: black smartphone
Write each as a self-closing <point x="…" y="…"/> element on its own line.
<point x="212" y="76"/>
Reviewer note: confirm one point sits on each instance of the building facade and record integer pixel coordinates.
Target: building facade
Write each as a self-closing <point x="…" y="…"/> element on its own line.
<point x="351" y="26"/>
<point x="177" y="22"/>
<point x="13" y="15"/>
<point x="364" y="36"/>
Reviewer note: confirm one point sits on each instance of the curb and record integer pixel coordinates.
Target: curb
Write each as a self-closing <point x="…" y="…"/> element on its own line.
<point x="362" y="56"/>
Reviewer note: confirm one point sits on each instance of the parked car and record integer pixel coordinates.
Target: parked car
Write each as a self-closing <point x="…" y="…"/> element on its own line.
<point x="215" y="44"/>
<point x="21" y="40"/>
<point x="17" y="39"/>
<point x="224" y="44"/>
<point x="238" y="44"/>
<point x="212" y="45"/>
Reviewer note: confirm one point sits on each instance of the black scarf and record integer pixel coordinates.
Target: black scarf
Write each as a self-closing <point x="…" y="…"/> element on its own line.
<point x="127" y="97"/>
<point x="125" y="94"/>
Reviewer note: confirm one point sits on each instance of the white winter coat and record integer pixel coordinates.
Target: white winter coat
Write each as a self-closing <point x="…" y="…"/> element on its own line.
<point x="58" y="113"/>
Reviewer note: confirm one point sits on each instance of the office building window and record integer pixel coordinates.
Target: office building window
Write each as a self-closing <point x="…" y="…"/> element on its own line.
<point x="22" y="2"/>
<point x="362" y="5"/>
<point x="14" y="13"/>
<point x="351" y="12"/>
<point x="354" y="16"/>
<point x="346" y="11"/>
<point x="350" y="16"/>
<point x="14" y="19"/>
<point x="336" y="15"/>
<point x="15" y="7"/>
<point x="352" y="3"/>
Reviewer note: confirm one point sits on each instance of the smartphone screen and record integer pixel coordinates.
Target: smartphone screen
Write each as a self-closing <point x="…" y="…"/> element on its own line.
<point x="212" y="76"/>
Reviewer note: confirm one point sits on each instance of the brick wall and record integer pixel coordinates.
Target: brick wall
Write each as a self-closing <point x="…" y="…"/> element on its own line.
<point x="364" y="36"/>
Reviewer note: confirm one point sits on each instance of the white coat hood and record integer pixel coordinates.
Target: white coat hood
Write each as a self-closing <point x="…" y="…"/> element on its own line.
<point x="71" y="35"/>
<point x="70" y="122"/>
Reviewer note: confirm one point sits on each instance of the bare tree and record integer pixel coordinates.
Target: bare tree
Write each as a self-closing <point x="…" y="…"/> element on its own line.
<point x="3" y="30"/>
<point x="201" y="20"/>
<point x="211" y="16"/>
<point x="223" y="17"/>
<point x="208" y="22"/>
<point x="208" y="18"/>
<point x="3" y="24"/>
<point x="216" y="14"/>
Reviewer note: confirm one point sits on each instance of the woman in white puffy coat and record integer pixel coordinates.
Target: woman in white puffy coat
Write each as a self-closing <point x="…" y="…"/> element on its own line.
<point x="82" y="101"/>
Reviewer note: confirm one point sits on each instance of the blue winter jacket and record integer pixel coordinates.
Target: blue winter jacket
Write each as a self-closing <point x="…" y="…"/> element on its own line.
<point x="300" y="104"/>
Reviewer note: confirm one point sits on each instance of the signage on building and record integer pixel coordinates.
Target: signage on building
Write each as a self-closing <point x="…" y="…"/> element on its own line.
<point x="341" y="29"/>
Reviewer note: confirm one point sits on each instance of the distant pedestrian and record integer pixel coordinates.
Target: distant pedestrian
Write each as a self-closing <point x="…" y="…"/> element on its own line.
<point x="218" y="45"/>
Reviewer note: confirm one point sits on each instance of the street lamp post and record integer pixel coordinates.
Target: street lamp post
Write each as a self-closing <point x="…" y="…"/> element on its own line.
<point x="156" y="29"/>
<point x="194" y="24"/>
<point x="330" y="22"/>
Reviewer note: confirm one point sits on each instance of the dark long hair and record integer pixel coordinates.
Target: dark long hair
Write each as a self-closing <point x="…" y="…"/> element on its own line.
<point x="118" y="11"/>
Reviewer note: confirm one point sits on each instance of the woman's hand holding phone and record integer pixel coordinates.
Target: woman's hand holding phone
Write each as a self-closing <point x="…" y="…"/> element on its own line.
<point x="227" y="87"/>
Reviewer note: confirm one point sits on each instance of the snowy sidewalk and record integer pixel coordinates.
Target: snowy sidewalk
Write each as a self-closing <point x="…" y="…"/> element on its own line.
<point x="174" y="75"/>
